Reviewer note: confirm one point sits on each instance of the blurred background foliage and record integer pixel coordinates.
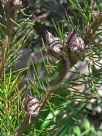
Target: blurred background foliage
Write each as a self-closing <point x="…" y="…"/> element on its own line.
<point x="71" y="111"/>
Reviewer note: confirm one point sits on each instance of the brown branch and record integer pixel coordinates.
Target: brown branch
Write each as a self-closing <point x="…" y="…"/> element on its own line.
<point x="93" y="28"/>
<point x="3" y="54"/>
<point x="24" y="124"/>
<point x="40" y="17"/>
<point x="10" y="8"/>
<point x="55" y="83"/>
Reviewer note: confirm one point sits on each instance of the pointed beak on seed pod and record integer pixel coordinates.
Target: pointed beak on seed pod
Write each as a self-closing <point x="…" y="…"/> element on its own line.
<point x="49" y="37"/>
<point x="54" y="45"/>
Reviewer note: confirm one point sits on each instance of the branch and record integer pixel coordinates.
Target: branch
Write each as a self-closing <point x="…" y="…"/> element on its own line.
<point x="24" y="124"/>
<point x="10" y="8"/>
<point x="93" y="28"/>
<point x="55" y="83"/>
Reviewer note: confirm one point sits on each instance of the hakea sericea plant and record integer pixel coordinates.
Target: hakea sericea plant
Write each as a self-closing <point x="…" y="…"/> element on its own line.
<point x="68" y="51"/>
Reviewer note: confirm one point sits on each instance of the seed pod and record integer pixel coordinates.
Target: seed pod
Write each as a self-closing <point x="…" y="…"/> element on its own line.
<point x="74" y="43"/>
<point x="77" y="45"/>
<point x="31" y="105"/>
<point x="54" y="44"/>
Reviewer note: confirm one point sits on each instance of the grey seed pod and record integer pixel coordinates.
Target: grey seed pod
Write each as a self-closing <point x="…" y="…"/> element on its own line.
<point x="54" y="44"/>
<point x="31" y="105"/>
<point x="74" y="43"/>
<point x="74" y="46"/>
<point x="77" y="44"/>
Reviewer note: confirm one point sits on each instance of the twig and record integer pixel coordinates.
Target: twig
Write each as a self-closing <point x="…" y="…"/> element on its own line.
<point x="56" y="82"/>
<point x="4" y="54"/>
<point x="93" y="28"/>
<point x="24" y="124"/>
<point x="40" y="17"/>
<point x="10" y="7"/>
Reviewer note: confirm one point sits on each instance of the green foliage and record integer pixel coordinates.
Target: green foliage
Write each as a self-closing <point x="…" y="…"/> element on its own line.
<point x="65" y="113"/>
